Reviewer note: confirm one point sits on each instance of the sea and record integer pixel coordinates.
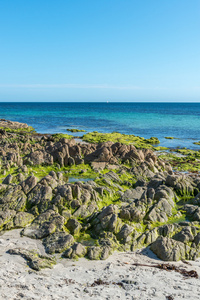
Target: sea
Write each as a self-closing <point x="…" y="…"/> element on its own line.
<point x="178" y="120"/>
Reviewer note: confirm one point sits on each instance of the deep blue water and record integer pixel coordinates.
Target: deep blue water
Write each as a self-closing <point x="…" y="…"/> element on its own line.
<point x="180" y="120"/>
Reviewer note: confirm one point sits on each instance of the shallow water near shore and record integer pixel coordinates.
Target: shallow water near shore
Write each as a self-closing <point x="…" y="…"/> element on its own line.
<point x="179" y="120"/>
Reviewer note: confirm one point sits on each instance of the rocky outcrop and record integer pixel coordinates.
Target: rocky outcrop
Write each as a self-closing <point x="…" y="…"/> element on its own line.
<point x="12" y="125"/>
<point x="170" y="250"/>
<point x="58" y="242"/>
<point x="134" y="200"/>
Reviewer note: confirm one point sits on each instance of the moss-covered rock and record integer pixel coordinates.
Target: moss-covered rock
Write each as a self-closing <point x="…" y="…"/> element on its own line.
<point x="77" y="250"/>
<point x="170" y="250"/>
<point x="34" y="260"/>
<point x="138" y="142"/>
<point x="130" y="196"/>
<point x="58" y="242"/>
<point x="76" y="130"/>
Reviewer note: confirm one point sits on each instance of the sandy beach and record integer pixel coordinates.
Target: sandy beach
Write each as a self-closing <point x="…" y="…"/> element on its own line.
<point x="76" y="279"/>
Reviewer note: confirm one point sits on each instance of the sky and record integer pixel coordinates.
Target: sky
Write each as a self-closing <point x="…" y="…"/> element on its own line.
<point x="100" y="50"/>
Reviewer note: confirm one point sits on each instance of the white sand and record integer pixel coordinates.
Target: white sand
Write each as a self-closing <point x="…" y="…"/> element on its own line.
<point x="72" y="279"/>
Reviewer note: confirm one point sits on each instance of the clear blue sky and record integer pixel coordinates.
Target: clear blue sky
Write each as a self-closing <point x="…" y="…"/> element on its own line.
<point x="99" y="50"/>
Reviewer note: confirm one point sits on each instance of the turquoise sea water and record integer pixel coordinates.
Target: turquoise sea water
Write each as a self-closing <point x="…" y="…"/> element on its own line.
<point x="180" y="120"/>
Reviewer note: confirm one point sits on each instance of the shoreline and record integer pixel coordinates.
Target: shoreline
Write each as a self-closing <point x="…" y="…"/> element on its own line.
<point x="76" y="279"/>
<point x="135" y="204"/>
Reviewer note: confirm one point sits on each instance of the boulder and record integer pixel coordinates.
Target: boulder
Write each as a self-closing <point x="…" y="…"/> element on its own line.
<point x="76" y="250"/>
<point x="124" y="234"/>
<point x="184" y="236"/>
<point x="13" y="198"/>
<point x="44" y="225"/>
<point x="95" y="253"/>
<point x="170" y="250"/>
<point x="22" y="219"/>
<point x="8" y="179"/>
<point x="57" y="242"/>
<point x="28" y="184"/>
<point x="73" y="226"/>
<point x="39" y="157"/>
<point x="40" y="196"/>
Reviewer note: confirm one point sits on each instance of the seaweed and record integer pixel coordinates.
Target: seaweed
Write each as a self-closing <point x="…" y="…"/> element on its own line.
<point x="168" y="267"/>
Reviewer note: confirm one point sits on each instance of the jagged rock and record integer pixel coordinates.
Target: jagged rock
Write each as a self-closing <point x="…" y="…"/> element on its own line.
<point x="28" y="184"/>
<point x="23" y="169"/>
<point x="106" y="251"/>
<point x="22" y="219"/>
<point x="108" y="239"/>
<point x="184" y="236"/>
<point x="196" y="200"/>
<point x="76" y="250"/>
<point x="65" y="191"/>
<point x="107" y="220"/>
<point x="84" y="211"/>
<point x="181" y="183"/>
<point x="39" y="157"/>
<point x="53" y="174"/>
<point x="192" y="211"/>
<point x="44" y="225"/>
<point x="113" y="176"/>
<point x="76" y="191"/>
<point x="71" y="161"/>
<point x="124" y="234"/>
<point x="13" y="198"/>
<point x="108" y="210"/>
<point x="95" y="253"/>
<point x="6" y="217"/>
<point x="167" y="229"/>
<point x="8" y="179"/>
<point x="150" y="193"/>
<point x="156" y="215"/>
<point x="197" y="239"/>
<point x="73" y="226"/>
<point x="49" y="181"/>
<point x="164" y="192"/>
<point x="40" y="196"/>
<point x="34" y="260"/>
<point x="142" y="171"/>
<point x="170" y="250"/>
<point x="19" y="177"/>
<point x="51" y="206"/>
<point x="151" y="236"/>
<point x="11" y="124"/>
<point x="102" y="154"/>
<point x="66" y="214"/>
<point x="57" y="242"/>
<point x="132" y="195"/>
<point x="132" y="213"/>
<point x="163" y="208"/>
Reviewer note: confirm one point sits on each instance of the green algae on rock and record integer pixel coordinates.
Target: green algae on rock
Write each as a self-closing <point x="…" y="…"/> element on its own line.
<point x="76" y="130"/>
<point x="34" y="260"/>
<point x="138" y="142"/>
<point x="133" y="200"/>
<point x="58" y="136"/>
<point x="183" y="159"/>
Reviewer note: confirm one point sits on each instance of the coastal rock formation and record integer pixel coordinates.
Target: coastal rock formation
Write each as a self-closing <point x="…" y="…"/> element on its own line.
<point x="127" y="198"/>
